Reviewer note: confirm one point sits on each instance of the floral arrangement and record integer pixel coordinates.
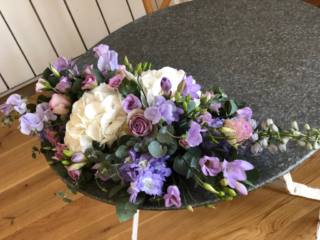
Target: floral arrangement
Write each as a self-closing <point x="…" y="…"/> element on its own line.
<point x="148" y="131"/>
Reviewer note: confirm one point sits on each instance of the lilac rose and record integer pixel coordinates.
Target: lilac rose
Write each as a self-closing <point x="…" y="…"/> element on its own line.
<point x="131" y="102"/>
<point x="138" y="124"/>
<point x="115" y="82"/>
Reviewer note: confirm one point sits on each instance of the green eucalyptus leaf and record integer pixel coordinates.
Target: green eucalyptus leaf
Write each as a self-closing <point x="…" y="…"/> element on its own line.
<point x="110" y="75"/>
<point x="123" y="140"/>
<point x="168" y="128"/>
<point x="124" y="209"/>
<point x="126" y="87"/>
<point x="105" y="169"/>
<point x="156" y="150"/>
<point x="76" y="86"/>
<point x="61" y="170"/>
<point x="60" y="195"/>
<point x="172" y="147"/>
<point x="116" y="189"/>
<point x="247" y="183"/>
<point x="67" y="200"/>
<point x="191" y="106"/>
<point x="164" y="138"/>
<point x="180" y="166"/>
<point x="231" y="107"/>
<point x="122" y="152"/>
<point x="253" y="175"/>
<point x="53" y="80"/>
<point x="99" y="76"/>
<point x="46" y="73"/>
<point x="34" y="156"/>
<point x="88" y="152"/>
<point x="42" y="99"/>
<point x="97" y="156"/>
<point x="72" y="189"/>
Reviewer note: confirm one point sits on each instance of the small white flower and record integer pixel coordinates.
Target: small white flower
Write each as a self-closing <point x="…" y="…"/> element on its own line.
<point x="97" y="116"/>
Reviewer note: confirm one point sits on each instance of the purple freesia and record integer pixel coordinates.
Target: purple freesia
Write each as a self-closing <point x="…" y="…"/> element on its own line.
<point x="166" y="86"/>
<point x="20" y="104"/>
<point x="210" y="166"/>
<point x="44" y="112"/>
<point x="162" y="109"/>
<point x="131" y="102"/>
<point x="194" y="137"/>
<point x="6" y="108"/>
<point x="244" y="113"/>
<point x="172" y="197"/>
<point x="30" y="122"/>
<point x="63" y="85"/>
<point x="150" y="183"/>
<point x="235" y="171"/>
<point x="191" y="88"/>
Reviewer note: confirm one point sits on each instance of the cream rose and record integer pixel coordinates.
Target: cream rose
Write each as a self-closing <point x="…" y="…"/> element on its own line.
<point x="151" y="82"/>
<point x="97" y="116"/>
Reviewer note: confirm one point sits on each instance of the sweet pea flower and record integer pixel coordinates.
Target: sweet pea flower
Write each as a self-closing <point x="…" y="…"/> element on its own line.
<point x="40" y="86"/>
<point x="58" y="104"/>
<point x="74" y="174"/>
<point x="131" y="102"/>
<point x="172" y="197"/>
<point x="194" y="137"/>
<point x="191" y="88"/>
<point x="108" y="60"/>
<point x="210" y="166"/>
<point x="242" y="127"/>
<point x="123" y="71"/>
<point x="64" y="64"/>
<point x="43" y="110"/>
<point x="30" y="122"/>
<point x="138" y="124"/>
<point x="166" y="86"/>
<point x="63" y="85"/>
<point x="21" y="105"/>
<point x="244" y="113"/>
<point x="215" y="108"/>
<point x="90" y="79"/>
<point x="51" y="136"/>
<point x="96" y="166"/>
<point x="162" y="109"/>
<point x="115" y="82"/>
<point x="6" y="108"/>
<point x="235" y="171"/>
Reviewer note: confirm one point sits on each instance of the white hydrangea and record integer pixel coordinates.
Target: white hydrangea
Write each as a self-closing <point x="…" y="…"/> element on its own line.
<point x="97" y="116"/>
<point x="151" y="82"/>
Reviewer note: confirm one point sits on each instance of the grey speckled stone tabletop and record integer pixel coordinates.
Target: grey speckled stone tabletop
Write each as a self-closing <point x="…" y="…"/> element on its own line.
<point x="263" y="52"/>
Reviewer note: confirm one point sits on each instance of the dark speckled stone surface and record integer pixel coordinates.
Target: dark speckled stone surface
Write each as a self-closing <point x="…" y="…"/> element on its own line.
<point x="263" y="52"/>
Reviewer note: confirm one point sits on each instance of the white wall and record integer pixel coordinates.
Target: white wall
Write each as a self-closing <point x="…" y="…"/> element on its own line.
<point x="35" y="32"/>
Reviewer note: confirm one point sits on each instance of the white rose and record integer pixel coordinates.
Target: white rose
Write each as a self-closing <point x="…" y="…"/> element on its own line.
<point x="151" y="82"/>
<point x="97" y="116"/>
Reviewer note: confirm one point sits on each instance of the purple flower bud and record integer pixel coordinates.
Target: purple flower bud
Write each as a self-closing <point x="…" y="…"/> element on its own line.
<point x="172" y="197"/>
<point x="75" y="174"/>
<point x="131" y="102"/>
<point x="183" y="143"/>
<point x="166" y="85"/>
<point x="40" y="86"/>
<point x="78" y="157"/>
<point x="63" y="85"/>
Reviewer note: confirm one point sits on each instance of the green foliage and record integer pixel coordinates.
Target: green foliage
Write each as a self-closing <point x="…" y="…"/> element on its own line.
<point x="230" y="107"/>
<point x="164" y="138"/>
<point x="76" y="86"/>
<point x="67" y="200"/>
<point x="241" y="105"/>
<point x="60" y="195"/>
<point x="126" y="87"/>
<point x="122" y="151"/>
<point x="53" y="80"/>
<point x="43" y="98"/>
<point x="180" y="166"/>
<point x="191" y="106"/>
<point x="116" y="189"/>
<point x="157" y="150"/>
<point x="31" y="107"/>
<point x="33" y="155"/>
<point x="172" y="147"/>
<point x="46" y="73"/>
<point x="168" y="128"/>
<point x="67" y="153"/>
<point x="126" y="210"/>
<point x="247" y="183"/>
<point x="123" y="140"/>
<point x="99" y="76"/>
<point x="110" y="75"/>
<point x="61" y="170"/>
<point x="105" y="169"/>
<point x="72" y="189"/>
<point x="253" y="175"/>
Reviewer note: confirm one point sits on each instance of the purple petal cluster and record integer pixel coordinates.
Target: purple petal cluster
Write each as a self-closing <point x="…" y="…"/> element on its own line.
<point x="63" y="64"/>
<point x="172" y="197"/>
<point x="194" y="137"/>
<point x="163" y="109"/>
<point x="191" y="88"/>
<point x="145" y="173"/>
<point x="15" y="100"/>
<point x="63" y="85"/>
<point x="108" y="60"/>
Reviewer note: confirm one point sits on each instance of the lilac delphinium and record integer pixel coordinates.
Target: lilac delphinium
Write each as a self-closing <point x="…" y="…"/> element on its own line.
<point x="162" y="109"/>
<point x="150" y="183"/>
<point x="20" y="104"/>
<point x="191" y="88"/>
<point x="235" y="171"/>
<point x="193" y="136"/>
<point x="172" y="197"/>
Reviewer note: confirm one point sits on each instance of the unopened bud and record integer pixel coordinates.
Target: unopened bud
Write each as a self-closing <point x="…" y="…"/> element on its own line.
<point x="294" y="125"/>
<point x="306" y="127"/>
<point x="210" y="188"/>
<point x="264" y="125"/>
<point x="194" y="117"/>
<point x="66" y="162"/>
<point x="227" y="198"/>
<point x="264" y="143"/>
<point x="54" y="71"/>
<point x="189" y="208"/>
<point x="255" y="137"/>
<point x="230" y="191"/>
<point x="221" y="194"/>
<point x="301" y="143"/>
<point x="185" y="106"/>
<point x="204" y="100"/>
<point x="144" y="66"/>
<point x="224" y="182"/>
<point x="314" y="130"/>
<point x="203" y="111"/>
<point x="296" y="133"/>
<point x="177" y="97"/>
<point x="126" y="62"/>
<point x="231" y="137"/>
<point x="188" y="98"/>
<point x="209" y="206"/>
<point x="138" y="67"/>
<point x="140" y="72"/>
<point x="181" y="86"/>
<point x="47" y="148"/>
<point x="274" y="128"/>
<point x="282" y="147"/>
<point x="256" y="148"/>
<point x="309" y="147"/>
<point x="149" y="67"/>
<point x="269" y="121"/>
<point x="285" y="140"/>
<point x="226" y="130"/>
<point x="272" y="148"/>
<point x="315" y="146"/>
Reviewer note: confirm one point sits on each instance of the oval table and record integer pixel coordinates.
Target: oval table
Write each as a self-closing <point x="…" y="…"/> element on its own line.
<point x="263" y="52"/>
